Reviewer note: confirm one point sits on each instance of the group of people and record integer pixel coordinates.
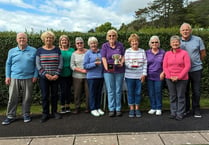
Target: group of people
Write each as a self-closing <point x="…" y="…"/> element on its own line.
<point x="87" y="71"/>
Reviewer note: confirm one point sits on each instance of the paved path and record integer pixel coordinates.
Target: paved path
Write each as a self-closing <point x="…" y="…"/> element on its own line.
<point x="157" y="138"/>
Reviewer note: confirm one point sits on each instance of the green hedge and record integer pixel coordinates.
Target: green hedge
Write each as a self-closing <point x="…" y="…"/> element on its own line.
<point x="7" y="41"/>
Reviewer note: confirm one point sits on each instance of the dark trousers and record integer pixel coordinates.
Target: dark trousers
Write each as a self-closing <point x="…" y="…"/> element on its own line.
<point x="49" y="91"/>
<point x="195" y="84"/>
<point x="80" y="88"/>
<point x="177" y="96"/>
<point x="65" y="90"/>
<point x="95" y="92"/>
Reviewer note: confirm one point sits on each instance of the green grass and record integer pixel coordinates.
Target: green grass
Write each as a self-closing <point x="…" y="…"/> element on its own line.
<point x="37" y="109"/>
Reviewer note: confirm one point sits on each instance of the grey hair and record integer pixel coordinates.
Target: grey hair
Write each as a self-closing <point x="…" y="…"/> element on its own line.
<point x="79" y="39"/>
<point x="175" y="37"/>
<point x="154" y="37"/>
<point x="92" y="39"/>
<point x="189" y="26"/>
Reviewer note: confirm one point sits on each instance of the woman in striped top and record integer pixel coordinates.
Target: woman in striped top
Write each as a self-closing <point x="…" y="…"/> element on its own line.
<point x="135" y="72"/>
<point x="49" y="64"/>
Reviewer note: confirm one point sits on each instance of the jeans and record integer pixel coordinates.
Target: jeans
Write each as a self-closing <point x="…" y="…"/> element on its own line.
<point x="177" y="96"/>
<point x="134" y="91"/>
<point x="155" y="94"/>
<point x="114" y="84"/>
<point x="195" y="81"/>
<point x="65" y="89"/>
<point x="95" y="92"/>
<point x="49" y="91"/>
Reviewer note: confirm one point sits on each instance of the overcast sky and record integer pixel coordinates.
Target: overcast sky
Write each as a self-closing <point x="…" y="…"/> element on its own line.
<point x="67" y="15"/>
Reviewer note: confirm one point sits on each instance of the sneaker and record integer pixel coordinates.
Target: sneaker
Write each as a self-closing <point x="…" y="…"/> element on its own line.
<point x="131" y="114"/>
<point x="27" y="119"/>
<point x="118" y="113"/>
<point x="44" y="118"/>
<point x="67" y="109"/>
<point x="100" y="111"/>
<point x="95" y="113"/>
<point x="63" y="110"/>
<point x="138" y="113"/>
<point x="111" y="114"/>
<point x="7" y="121"/>
<point x="158" y="112"/>
<point x="197" y="115"/>
<point x="151" y="111"/>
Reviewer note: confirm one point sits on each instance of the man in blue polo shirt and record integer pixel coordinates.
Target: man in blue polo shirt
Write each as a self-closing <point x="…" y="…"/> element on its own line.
<point x="196" y="49"/>
<point x="21" y="73"/>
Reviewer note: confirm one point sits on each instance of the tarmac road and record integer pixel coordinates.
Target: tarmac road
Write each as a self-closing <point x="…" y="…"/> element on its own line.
<point x="84" y="123"/>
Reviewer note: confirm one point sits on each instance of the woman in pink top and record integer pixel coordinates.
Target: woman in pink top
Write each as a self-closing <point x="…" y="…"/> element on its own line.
<point x="176" y="65"/>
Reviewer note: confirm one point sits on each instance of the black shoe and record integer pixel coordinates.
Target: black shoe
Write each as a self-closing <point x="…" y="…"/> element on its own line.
<point x="118" y="113"/>
<point x="111" y="114"/>
<point x="172" y="117"/>
<point x="44" y="118"/>
<point x="56" y="116"/>
<point x="197" y="114"/>
<point x="179" y="118"/>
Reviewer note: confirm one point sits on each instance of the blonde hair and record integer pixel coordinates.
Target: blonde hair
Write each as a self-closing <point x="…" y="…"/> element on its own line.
<point x="46" y="34"/>
<point x="112" y="31"/>
<point x="133" y="37"/>
<point x="66" y="37"/>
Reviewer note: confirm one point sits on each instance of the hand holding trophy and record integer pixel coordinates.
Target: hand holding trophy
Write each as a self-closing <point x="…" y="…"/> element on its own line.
<point x="116" y="58"/>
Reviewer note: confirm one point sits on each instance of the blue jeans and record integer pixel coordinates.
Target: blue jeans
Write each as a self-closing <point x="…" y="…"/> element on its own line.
<point x="49" y="91"/>
<point x="95" y="92"/>
<point x="114" y="84"/>
<point x="155" y="94"/>
<point x="134" y="91"/>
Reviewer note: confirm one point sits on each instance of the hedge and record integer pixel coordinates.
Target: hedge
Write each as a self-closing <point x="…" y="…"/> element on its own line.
<point x="7" y="41"/>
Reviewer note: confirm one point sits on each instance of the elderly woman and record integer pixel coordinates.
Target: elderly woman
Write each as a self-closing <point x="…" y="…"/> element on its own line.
<point x="49" y="64"/>
<point x="66" y="74"/>
<point x="93" y="65"/>
<point x="112" y="53"/>
<point x="155" y="75"/>
<point x="176" y="65"/>
<point x="80" y="85"/>
<point x="135" y="73"/>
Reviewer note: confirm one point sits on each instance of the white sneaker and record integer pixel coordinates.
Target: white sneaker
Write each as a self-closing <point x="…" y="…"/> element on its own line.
<point x="100" y="111"/>
<point x="158" y="112"/>
<point x="95" y="113"/>
<point x="151" y="111"/>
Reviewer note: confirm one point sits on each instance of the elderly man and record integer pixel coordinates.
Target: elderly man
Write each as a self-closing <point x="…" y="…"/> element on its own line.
<point x="196" y="49"/>
<point x="21" y="73"/>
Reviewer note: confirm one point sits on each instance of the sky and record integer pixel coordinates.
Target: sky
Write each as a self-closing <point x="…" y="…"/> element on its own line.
<point x="66" y="15"/>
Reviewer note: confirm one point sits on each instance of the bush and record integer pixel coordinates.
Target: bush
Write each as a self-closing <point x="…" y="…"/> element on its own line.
<point x="7" y="41"/>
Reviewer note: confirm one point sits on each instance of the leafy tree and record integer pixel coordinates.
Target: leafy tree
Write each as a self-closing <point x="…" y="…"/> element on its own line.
<point x="104" y="27"/>
<point x="163" y="13"/>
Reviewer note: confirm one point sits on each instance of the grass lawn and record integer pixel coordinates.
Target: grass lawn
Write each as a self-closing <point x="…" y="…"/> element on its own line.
<point x="37" y="109"/>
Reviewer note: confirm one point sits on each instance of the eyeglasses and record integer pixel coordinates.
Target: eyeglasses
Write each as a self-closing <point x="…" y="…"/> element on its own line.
<point x="154" y="42"/>
<point x="79" y="43"/>
<point x="111" y="35"/>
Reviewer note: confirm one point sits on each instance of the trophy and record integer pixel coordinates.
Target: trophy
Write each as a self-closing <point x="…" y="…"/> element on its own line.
<point x="135" y="63"/>
<point x="116" y="58"/>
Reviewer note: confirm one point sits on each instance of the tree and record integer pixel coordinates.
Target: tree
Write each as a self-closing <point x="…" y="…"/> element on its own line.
<point x="164" y="13"/>
<point x="104" y="27"/>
